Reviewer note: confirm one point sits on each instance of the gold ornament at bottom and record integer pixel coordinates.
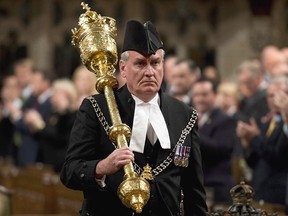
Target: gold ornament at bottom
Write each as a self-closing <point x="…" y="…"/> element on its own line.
<point x="134" y="192"/>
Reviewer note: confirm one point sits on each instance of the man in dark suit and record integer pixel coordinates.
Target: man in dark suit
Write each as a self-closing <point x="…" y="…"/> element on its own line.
<point x="265" y="145"/>
<point x="217" y="140"/>
<point x="95" y="166"/>
<point x="40" y="102"/>
<point x="252" y="86"/>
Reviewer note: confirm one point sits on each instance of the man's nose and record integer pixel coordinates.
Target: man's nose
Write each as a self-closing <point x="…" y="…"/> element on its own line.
<point x="149" y="70"/>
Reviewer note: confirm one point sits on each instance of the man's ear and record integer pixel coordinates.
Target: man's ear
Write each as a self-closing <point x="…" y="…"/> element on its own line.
<point x="122" y="67"/>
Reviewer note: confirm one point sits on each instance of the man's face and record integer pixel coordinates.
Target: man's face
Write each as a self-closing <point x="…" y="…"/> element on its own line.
<point x="24" y="75"/>
<point x="39" y="84"/>
<point x="143" y="74"/>
<point x="203" y="96"/>
<point x="181" y="79"/>
<point x="10" y="89"/>
<point x="247" y="84"/>
<point x="169" y="65"/>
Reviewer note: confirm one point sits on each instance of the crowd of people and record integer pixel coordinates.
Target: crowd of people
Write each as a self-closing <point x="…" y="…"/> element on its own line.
<point x="37" y="112"/>
<point x="242" y="121"/>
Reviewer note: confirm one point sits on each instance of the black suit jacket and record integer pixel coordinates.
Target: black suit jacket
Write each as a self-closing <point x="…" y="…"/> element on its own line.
<point x="28" y="149"/>
<point x="266" y="157"/>
<point x="217" y="141"/>
<point x="255" y="106"/>
<point x="53" y="139"/>
<point x="89" y="144"/>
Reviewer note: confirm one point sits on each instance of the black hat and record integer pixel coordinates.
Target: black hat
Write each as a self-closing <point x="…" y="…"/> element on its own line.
<point x="141" y="38"/>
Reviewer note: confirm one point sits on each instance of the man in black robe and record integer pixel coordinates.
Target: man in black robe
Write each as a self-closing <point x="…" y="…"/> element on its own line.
<point x="95" y="166"/>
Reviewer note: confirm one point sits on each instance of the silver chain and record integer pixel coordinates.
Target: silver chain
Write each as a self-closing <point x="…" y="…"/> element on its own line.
<point x="162" y="166"/>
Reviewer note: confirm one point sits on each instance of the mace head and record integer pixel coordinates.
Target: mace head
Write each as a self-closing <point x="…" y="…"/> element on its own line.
<point x="95" y="39"/>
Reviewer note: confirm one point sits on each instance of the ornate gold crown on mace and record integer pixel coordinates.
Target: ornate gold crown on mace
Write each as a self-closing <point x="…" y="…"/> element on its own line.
<point x="95" y="39"/>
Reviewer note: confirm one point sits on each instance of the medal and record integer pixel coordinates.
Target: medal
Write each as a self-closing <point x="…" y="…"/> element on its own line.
<point x="181" y="156"/>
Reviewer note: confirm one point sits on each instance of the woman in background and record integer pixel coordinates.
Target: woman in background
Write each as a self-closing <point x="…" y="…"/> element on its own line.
<point x="84" y="81"/>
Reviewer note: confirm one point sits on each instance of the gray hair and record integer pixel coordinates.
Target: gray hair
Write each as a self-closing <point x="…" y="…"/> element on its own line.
<point x="254" y="66"/>
<point x="280" y="80"/>
<point x="67" y="86"/>
<point x="125" y="55"/>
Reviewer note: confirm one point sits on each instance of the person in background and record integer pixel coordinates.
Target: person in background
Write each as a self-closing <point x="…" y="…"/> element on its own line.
<point x="120" y="79"/>
<point x="38" y="101"/>
<point x="284" y="50"/>
<point x="183" y="75"/>
<point x="271" y="56"/>
<point x="253" y="90"/>
<point x="217" y="140"/>
<point x="263" y="144"/>
<point x="52" y="132"/>
<point x="228" y="98"/>
<point x="9" y="97"/>
<point x="94" y="165"/>
<point x="281" y="101"/>
<point x="84" y="81"/>
<point x="169" y="64"/>
<point x="23" y="69"/>
<point x="280" y="70"/>
<point x="210" y="72"/>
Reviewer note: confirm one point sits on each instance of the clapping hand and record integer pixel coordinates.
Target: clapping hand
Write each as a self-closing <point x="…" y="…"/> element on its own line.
<point x="247" y="131"/>
<point x="281" y="102"/>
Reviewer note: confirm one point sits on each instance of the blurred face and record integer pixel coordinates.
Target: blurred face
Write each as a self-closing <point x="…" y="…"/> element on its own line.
<point x="279" y="70"/>
<point x="60" y="100"/>
<point x="169" y="65"/>
<point x="143" y="74"/>
<point x="210" y="73"/>
<point x="10" y="90"/>
<point x="85" y="82"/>
<point x="181" y="79"/>
<point x="24" y="75"/>
<point x="271" y="57"/>
<point x="272" y="90"/>
<point x="203" y="96"/>
<point x="225" y="101"/>
<point x="39" y="84"/>
<point x="247" y="84"/>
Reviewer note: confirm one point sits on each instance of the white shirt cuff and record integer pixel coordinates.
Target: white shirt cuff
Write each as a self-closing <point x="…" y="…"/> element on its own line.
<point x="101" y="182"/>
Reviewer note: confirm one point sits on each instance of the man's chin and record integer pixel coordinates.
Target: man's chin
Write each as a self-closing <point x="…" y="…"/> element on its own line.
<point x="149" y="90"/>
<point x="149" y="87"/>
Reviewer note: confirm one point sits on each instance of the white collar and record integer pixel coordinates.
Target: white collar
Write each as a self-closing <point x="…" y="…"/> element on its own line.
<point x="44" y="96"/>
<point x="154" y="100"/>
<point x="148" y="115"/>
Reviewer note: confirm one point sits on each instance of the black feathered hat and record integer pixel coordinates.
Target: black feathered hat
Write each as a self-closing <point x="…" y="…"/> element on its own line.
<point x="141" y="38"/>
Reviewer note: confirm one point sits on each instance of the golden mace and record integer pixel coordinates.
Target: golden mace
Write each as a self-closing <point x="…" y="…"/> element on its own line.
<point x="98" y="52"/>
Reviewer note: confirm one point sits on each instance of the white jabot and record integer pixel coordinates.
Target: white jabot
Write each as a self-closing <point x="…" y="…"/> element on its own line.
<point x="145" y="116"/>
